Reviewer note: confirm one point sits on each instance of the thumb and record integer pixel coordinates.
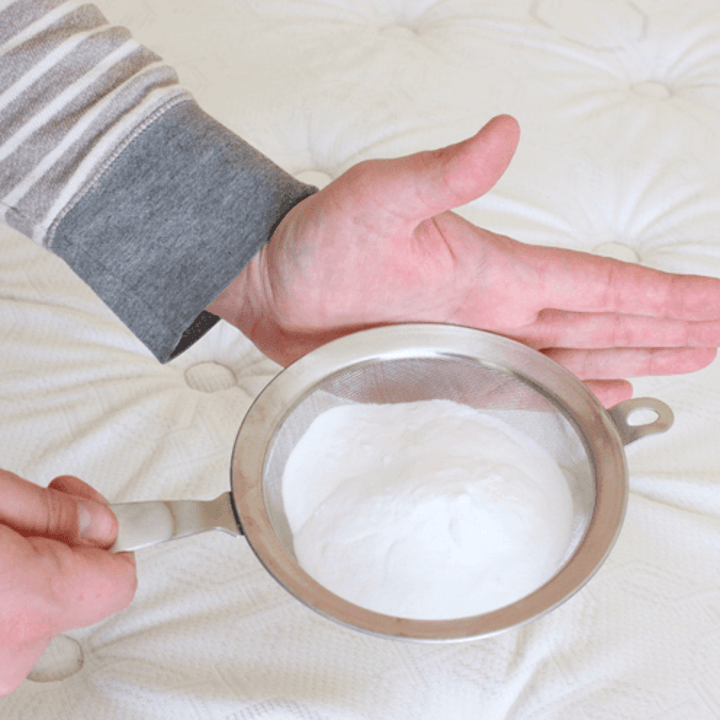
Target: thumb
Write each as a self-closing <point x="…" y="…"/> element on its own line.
<point x="425" y="184"/>
<point x="71" y="512"/>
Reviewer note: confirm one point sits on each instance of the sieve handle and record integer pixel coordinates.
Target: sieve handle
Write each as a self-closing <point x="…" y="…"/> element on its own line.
<point x="628" y="418"/>
<point x="143" y="524"/>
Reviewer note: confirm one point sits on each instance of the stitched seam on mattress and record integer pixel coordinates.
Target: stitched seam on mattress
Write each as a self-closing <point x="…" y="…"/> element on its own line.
<point x="106" y="165"/>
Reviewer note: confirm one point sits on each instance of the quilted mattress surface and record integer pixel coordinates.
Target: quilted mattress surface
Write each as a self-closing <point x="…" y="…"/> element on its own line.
<point x="619" y="105"/>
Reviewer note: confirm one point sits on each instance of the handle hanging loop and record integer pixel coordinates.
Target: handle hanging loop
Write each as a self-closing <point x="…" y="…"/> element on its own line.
<point x="622" y="415"/>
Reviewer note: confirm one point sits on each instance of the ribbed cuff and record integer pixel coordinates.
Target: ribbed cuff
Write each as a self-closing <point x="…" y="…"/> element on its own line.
<point x="172" y="222"/>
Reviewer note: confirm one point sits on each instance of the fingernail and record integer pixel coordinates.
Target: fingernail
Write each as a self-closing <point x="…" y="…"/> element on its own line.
<point x="96" y="523"/>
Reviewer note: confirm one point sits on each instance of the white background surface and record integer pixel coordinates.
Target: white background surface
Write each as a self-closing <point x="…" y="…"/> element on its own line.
<point x="618" y="103"/>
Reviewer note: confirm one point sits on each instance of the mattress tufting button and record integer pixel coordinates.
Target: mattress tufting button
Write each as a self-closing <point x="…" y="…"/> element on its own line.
<point x="314" y="177"/>
<point x="618" y="251"/>
<point x="64" y="657"/>
<point x="652" y="90"/>
<point x="398" y="31"/>
<point x="210" y="377"/>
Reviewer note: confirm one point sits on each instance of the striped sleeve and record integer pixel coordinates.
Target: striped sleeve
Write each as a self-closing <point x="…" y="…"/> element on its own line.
<point x="108" y="162"/>
<point x="72" y="87"/>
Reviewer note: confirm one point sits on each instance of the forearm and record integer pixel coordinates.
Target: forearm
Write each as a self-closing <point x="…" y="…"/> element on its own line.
<point x="108" y="162"/>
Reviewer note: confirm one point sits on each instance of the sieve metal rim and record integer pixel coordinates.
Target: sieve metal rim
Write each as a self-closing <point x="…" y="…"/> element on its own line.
<point x="427" y="340"/>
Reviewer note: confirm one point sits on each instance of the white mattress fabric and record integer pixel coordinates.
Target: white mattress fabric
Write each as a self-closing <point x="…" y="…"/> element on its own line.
<point x="619" y="104"/>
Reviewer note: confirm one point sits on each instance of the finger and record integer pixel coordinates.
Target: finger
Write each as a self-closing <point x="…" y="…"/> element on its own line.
<point x="556" y="328"/>
<point x="571" y="280"/>
<point x="71" y="485"/>
<point x="610" y="392"/>
<point x="417" y="187"/>
<point x="632" y="362"/>
<point x="88" y="584"/>
<point x="50" y="588"/>
<point x="46" y="512"/>
<point x="16" y="662"/>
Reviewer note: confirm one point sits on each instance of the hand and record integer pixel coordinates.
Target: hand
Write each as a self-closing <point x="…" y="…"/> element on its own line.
<point x="55" y="573"/>
<point x="379" y="245"/>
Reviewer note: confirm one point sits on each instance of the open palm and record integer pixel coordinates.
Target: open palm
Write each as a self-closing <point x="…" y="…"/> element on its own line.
<point x="380" y="245"/>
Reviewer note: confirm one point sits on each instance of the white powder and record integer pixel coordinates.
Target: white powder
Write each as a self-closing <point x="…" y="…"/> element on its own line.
<point x="426" y="510"/>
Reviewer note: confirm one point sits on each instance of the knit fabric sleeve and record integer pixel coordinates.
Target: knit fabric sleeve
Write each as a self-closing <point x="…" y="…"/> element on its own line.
<point x="109" y="163"/>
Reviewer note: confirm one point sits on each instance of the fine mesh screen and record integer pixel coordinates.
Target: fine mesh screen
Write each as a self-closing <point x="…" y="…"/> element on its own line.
<point x="408" y="379"/>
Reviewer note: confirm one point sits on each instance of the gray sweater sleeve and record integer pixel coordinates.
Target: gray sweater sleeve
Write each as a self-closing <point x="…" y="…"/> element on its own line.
<point x="106" y="161"/>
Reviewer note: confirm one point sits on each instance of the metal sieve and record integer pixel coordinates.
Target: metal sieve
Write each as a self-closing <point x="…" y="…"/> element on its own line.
<point x="405" y="363"/>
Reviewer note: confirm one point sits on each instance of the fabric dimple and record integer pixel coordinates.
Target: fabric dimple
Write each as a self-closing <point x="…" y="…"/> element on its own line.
<point x="63" y="658"/>
<point x="398" y="32"/>
<point x="210" y="377"/>
<point x="652" y="90"/>
<point x="318" y="178"/>
<point x="618" y="251"/>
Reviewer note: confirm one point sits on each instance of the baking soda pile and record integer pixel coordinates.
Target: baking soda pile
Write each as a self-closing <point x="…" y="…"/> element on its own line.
<point x="426" y="510"/>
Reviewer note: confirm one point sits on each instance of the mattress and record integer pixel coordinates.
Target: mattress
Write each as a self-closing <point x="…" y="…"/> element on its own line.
<point x="619" y="105"/>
